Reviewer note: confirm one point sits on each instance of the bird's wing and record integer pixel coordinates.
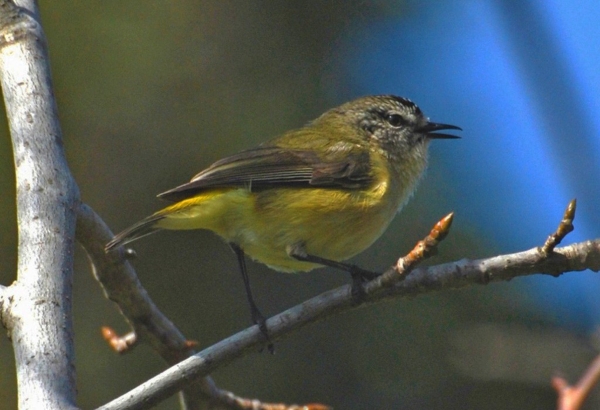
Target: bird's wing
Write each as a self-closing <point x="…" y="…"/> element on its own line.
<point x="269" y="167"/>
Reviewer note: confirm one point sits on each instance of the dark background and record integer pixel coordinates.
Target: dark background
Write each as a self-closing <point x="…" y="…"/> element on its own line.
<point x="150" y="93"/>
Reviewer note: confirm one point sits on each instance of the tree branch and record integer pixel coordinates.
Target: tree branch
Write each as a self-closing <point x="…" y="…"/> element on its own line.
<point x="121" y="285"/>
<point x="36" y="309"/>
<point x="564" y="228"/>
<point x="573" y="397"/>
<point x="577" y="257"/>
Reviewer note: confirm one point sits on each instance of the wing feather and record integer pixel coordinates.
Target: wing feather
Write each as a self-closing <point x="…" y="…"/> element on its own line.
<point x="270" y="167"/>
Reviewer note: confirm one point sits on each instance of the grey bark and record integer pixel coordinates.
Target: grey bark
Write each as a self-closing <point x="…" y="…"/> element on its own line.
<point x="36" y="308"/>
<point x="576" y="257"/>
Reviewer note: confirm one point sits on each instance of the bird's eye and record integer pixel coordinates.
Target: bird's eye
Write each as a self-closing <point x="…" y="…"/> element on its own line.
<point x="395" y="120"/>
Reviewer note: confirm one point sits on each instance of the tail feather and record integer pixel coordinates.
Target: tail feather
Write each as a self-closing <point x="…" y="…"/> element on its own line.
<point x="143" y="228"/>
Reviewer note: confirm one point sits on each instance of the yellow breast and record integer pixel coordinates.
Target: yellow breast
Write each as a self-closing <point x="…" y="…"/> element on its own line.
<point x="331" y="223"/>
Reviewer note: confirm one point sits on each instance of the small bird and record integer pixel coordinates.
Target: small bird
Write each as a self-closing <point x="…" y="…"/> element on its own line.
<point x="314" y="196"/>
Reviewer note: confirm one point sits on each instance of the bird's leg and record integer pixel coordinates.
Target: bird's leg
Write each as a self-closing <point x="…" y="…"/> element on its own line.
<point x="257" y="317"/>
<point x="359" y="275"/>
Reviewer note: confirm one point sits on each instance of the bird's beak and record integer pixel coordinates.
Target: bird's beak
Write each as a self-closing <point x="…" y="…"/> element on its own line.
<point x="430" y="128"/>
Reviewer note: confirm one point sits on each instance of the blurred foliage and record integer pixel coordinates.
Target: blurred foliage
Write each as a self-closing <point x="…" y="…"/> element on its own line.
<point x="148" y="96"/>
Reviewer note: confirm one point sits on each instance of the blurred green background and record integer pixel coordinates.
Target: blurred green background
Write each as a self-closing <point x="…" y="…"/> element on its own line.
<point x="151" y="93"/>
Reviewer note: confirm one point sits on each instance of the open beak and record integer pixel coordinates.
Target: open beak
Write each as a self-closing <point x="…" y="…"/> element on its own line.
<point x="430" y="128"/>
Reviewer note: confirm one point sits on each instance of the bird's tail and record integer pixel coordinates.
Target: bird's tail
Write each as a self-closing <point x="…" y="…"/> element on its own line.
<point x="142" y="228"/>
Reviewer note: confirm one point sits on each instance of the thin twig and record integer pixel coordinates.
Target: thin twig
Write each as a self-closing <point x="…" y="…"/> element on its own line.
<point x="422" y="250"/>
<point x="120" y="344"/>
<point x="564" y="227"/>
<point x="573" y="397"/>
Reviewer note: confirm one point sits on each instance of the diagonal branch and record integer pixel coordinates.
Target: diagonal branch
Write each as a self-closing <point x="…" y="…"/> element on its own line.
<point x="121" y="285"/>
<point x="577" y="257"/>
